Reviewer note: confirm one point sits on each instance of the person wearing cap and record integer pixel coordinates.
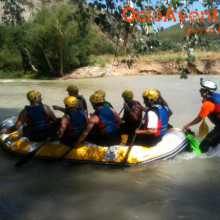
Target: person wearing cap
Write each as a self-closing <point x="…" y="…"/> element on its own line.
<point x="155" y="121"/>
<point x="73" y="122"/>
<point x="210" y="108"/>
<point x="105" y="103"/>
<point x="74" y="91"/>
<point x="105" y="121"/>
<point x="132" y="116"/>
<point x="38" y="117"/>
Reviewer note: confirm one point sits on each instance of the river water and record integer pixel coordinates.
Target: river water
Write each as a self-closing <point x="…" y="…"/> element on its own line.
<point x="186" y="187"/>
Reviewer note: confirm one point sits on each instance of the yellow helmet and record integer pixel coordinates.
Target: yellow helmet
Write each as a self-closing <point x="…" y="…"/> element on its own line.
<point x="72" y="88"/>
<point x="127" y="94"/>
<point x="31" y="95"/>
<point x="101" y="92"/>
<point x="71" y="101"/>
<point x="96" y="98"/>
<point x="151" y="94"/>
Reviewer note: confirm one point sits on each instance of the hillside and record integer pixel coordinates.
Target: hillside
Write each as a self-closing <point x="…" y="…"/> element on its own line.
<point x="177" y="34"/>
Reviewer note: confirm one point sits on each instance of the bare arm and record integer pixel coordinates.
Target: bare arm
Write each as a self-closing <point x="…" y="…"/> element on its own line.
<point x="21" y="120"/>
<point x="50" y="113"/>
<point x="134" y="111"/>
<point x="55" y="107"/>
<point x="63" y="125"/>
<point x="92" y="121"/>
<point x="193" y="122"/>
<point x="163" y="102"/>
<point x="148" y="131"/>
<point x="118" y="117"/>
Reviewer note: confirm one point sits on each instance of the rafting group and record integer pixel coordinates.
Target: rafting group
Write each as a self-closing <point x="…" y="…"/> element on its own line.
<point x="105" y="126"/>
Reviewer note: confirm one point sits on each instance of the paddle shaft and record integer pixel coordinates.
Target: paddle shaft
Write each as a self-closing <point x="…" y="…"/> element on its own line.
<point x="66" y="153"/>
<point x="29" y="156"/>
<point x="121" y="110"/>
<point x="131" y="145"/>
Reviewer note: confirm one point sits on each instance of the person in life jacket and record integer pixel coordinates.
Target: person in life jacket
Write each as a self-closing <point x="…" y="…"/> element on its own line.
<point x="73" y="122"/>
<point x="105" y="121"/>
<point x="155" y="120"/>
<point x="210" y="108"/>
<point x="132" y="115"/>
<point x="73" y="91"/>
<point x="105" y="103"/>
<point x="38" y="117"/>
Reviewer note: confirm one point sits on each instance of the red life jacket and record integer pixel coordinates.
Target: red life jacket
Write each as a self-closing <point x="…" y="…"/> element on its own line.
<point x="214" y="116"/>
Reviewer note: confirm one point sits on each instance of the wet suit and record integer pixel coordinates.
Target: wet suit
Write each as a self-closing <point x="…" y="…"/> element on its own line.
<point x="211" y="108"/>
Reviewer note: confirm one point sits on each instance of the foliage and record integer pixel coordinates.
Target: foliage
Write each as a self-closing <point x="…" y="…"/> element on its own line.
<point x="58" y="40"/>
<point x="62" y="37"/>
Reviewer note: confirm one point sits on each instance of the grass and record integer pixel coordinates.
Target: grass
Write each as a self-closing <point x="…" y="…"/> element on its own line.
<point x="101" y="61"/>
<point x="8" y="75"/>
<point x="37" y="76"/>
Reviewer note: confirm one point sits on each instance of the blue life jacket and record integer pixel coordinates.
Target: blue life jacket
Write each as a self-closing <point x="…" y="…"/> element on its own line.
<point x="215" y="115"/>
<point x="38" y="120"/>
<point x="84" y="102"/>
<point x="77" y="123"/>
<point x="163" y="118"/>
<point x="107" y="121"/>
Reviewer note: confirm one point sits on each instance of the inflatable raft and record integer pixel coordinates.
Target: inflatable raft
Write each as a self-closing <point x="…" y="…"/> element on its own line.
<point x="173" y="142"/>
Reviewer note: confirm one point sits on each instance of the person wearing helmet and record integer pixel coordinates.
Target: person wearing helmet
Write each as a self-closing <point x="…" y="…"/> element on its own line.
<point x="106" y="123"/>
<point x="73" y="91"/>
<point x="105" y="103"/>
<point x="155" y="120"/>
<point x="132" y="114"/>
<point x="38" y="118"/>
<point x="73" y="122"/>
<point x="210" y="108"/>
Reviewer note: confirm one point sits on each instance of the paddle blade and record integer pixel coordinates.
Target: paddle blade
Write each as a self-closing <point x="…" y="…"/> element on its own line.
<point x="203" y="129"/>
<point x="29" y="156"/>
<point x="194" y="144"/>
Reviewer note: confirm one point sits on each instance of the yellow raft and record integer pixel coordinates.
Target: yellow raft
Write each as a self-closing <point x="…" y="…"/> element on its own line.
<point x="173" y="142"/>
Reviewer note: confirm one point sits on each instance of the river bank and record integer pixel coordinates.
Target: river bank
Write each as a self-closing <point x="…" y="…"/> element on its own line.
<point x="203" y="67"/>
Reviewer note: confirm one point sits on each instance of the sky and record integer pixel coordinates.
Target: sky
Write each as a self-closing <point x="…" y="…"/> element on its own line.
<point x="196" y="5"/>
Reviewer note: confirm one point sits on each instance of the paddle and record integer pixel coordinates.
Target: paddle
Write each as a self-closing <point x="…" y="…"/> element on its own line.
<point x="194" y="143"/>
<point x="29" y="156"/>
<point x="203" y="129"/>
<point x="66" y="152"/>
<point x="131" y="145"/>
<point x="121" y="110"/>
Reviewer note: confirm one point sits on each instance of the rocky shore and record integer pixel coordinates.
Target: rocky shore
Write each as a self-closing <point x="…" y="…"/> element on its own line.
<point x="205" y="66"/>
